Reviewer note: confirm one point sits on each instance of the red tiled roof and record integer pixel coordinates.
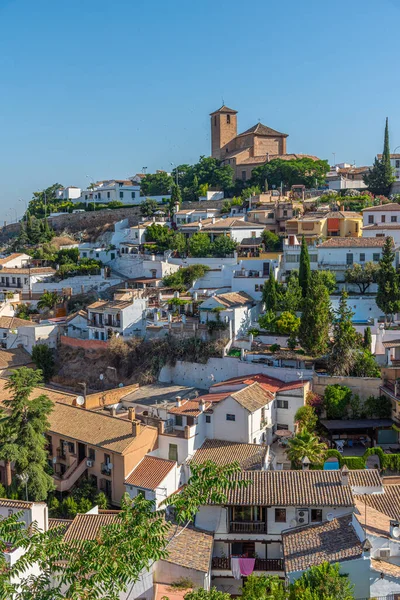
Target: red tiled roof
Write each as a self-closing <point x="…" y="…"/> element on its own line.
<point x="150" y="472"/>
<point x="189" y="407"/>
<point x="270" y="384"/>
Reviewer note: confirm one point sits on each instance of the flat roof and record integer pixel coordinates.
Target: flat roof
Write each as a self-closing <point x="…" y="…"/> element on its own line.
<point x="356" y="424"/>
<point x="158" y="393"/>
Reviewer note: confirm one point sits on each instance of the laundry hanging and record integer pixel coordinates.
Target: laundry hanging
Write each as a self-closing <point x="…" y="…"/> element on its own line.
<point x="236" y="568"/>
<point x="246" y="566"/>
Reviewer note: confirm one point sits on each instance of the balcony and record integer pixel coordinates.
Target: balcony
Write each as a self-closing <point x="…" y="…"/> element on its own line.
<point x="249" y="273"/>
<point x="61" y="453"/>
<point x="262" y="564"/>
<point x="247" y="527"/>
<point x="105" y="469"/>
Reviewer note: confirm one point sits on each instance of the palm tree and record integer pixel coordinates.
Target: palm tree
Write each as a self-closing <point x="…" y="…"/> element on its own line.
<point x="49" y="300"/>
<point x="306" y="444"/>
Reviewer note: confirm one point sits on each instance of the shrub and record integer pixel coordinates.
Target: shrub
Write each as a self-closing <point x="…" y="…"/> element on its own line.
<point x="334" y="453"/>
<point x="274" y="347"/>
<point x="336" y="399"/>
<point x="287" y="324"/>
<point x="354" y="462"/>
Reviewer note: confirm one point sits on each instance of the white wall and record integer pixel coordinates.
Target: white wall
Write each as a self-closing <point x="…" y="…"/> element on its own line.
<point x="383" y="587"/>
<point x="168" y="572"/>
<point x="78" y="284"/>
<point x="364" y="307"/>
<point x="378" y="214"/>
<point x="167" y="486"/>
<point x="30" y="336"/>
<point x="19" y="261"/>
<point x="394" y="233"/>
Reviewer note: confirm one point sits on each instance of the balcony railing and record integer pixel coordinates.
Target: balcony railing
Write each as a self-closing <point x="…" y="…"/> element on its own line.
<point x="61" y="453"/>
<point x="261" y="564"/>
<point x="247" y="527"/>
<point x="105" y="469"/>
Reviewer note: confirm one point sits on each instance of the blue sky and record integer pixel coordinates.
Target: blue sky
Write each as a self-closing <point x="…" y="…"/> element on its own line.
<point x="101" y="88"/>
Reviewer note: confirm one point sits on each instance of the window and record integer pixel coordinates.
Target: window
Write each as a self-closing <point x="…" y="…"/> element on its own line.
<point x="91" y="454"/>
<point x="370" y="219"/>
<point x="282" y="404"/>
<point x="397" y="164"/>
<point x="215" y="121"/>
<point x="97" y="255"/>
<point x="13" y="279"/>
<point x="383" y="218"/>
<point x="227" y="149"/>
<point x="228" y="119"/>
<point x="25" y="280"/>
<point x="173" y="452"/>
<point x="96" y="335"/>
<point x="71" y="447"/>
<point x="243" y="175"/>
<point x="270" y="216"/>
<point x="280" y="515"/>
<point x="121" y="194"/>
<point x="281" y="426"/>
<point x="292" y="258"/>
<point x="313" y="258"/>
<point x="316" y="515"/>
<point x="393" y="219"/>
<point x="108" y="194"/>
<point x="285" y="213"/>
<point x="253" y="234"/>
<point x="230" y="417"/>
<point x="84" y="254"/>
<point x="376" y="257"/>
<point x="153" y="273"/>
<point x="256" y="288"/>
<point x="362" y="257"/>
<point x="208" y="419"/>
<point x="141" y="493"/>
<point x="178" y="420"/>
<point x="133" y="195"/>
<point x="349" y="259"/>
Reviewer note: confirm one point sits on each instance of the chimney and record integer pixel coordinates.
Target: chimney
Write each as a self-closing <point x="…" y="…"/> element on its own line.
<point x="186" y="432"/>
<point x="113" y="411"/>
<point x="136" y="428"/>
<point x="342" y="207"/>
<point x="345" y="475"/>
<point x="202" y="405"/>
<point x="213" y="220"/>
<point x="161" y="427"/>
<point x="305" y="463"/>
<point x="131" y="413"/>
<point x="178" y="401"/>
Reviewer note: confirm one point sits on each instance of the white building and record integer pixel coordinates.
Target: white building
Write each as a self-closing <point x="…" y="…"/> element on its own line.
<point x="237" y="309"/>
<point x="346" y="177"/>
<point x="250" y="275"/>
<point x="15" y="260"/>
<point x="155" y="478"/>
<point x="291" y="254"/>
<point x="23" y="279"/>
<point x="76" y="325"/>
<point x="118" y="317"/>
<point x="116" y="190"/>
<point x="384" y="214"/>
<point x="68" y="193"/>
<point x="194" y="215"/>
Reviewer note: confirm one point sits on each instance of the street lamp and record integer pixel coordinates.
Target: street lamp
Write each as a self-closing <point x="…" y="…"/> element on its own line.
<point x="24" y="478"/>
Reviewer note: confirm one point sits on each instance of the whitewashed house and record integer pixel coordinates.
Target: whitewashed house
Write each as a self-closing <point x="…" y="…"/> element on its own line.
<point x="154" y="478"/>
<point x="237" y="309"/>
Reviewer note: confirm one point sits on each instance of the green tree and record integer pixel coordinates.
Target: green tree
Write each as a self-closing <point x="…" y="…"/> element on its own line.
<point x="388" y="295"/>
<point x="180" y="242"/>
<point x="43" y="358"/>
<point x="212" y="594"/>
<point x="223" y="246"/>
<point x="344" y="349"/>
<point x="336" y="400"/>
<point x="156" y="184"/>
<point x="148" y="207"/>
<point x="305" y="444"/>
<point x="378" y="407"/>
<point x="268" y="321"/>
<point x="270" y="293"/>
<point x="263" y="587"/>
<point x="301" y="171"/>
<point x="362" y="275"/>
<point x="163" y="236"/>
<point x="272" y="242"/>
<point x="199" y="245"/>
<point x="304" y="268"/>
<point x="287" y="324"/>
<point x="306" y="418"/>
<point x="291" y="296"/>
<point x="322" y="582"/>
<point x="46" y="201"/>
<point x="176" y="199"/>
<point x="26" y="421"/>
<point x="380" y="178"/>
<point x="365" y="365"/>
<point x="327" y="278"/>
<point x="101" y="500"/>
<point x="315" y="319"/>
<point x="367" y="342"/>
<point x="48" y="300"/>
<point x="103" y="567"/>
<point x="184" y="278"/>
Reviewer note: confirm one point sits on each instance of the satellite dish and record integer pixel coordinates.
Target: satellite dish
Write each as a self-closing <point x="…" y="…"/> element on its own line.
<point x="101" y="376"/>
<point x="330" y="517"/>
<point x="396" y="532"/>
<point x="54" y="460"/>
<point x="120" y="385"/>
<point x="80" y="400"/>
<point x="293" y="523"/>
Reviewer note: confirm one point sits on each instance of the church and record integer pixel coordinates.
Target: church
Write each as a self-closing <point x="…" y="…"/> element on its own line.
<point x="249" y="149"/>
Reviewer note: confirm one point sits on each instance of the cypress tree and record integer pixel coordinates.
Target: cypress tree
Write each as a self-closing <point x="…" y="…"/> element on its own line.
<point x="315" y="319"/>
<point x="379" y="179"/>
<point x="176" y="198"/>
<point x="388" y="295"/>
<point x="304" y="268"/>
<point x="367" y="338"/>
<point x="386" y="147"/>
<point x="270" y="293"/>
<point x="344" y="349"/>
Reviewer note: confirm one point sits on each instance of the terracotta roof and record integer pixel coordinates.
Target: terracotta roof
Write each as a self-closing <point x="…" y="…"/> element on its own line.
<point x="393" y="206"/>
<point x="345" y="242"/>
<point x="203" y="222"/>
<point x="113" y="396"/>
<point x="375" y="522"/>
<point x="104" y="305"/>
<point x="252" y="397"/>
<point x="387" y="503"/>
<point x="25" y="271"/>
<point x="224" y="109"/>
<point x="232" y="299"/>
<point x="54" y="395"/>
<point x="191" y="549"/>
<point x="91" y="427"/>
<point x="78" y="313"/>
<point x="392" y="343"/>
<point x="14" y="358"/>
<point x="150" y="472"/>
<point x="14" y="323"/>
<point x="365" y="478"/>
<point x="292" y="488"/>
<point x="261" y="129"/>
<point x="231" y="223"/>
<point x="270" y="383"/>
<point x="13" y="256"/>
<point x="189" y="407"/>
<point x="387" y="568"/>
<point x="249" y="456"/>
<point x="381" y="226"/>
<point x="17" y="504"/>
<point x="331" y="541"/>
<point x="63" y="524"/>
<point x="88" y="527"/>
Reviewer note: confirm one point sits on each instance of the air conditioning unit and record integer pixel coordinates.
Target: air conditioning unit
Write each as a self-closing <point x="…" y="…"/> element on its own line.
<point x="89" y="463"/>
<point x="302" y="516"/>
<point x="384" y="553"/>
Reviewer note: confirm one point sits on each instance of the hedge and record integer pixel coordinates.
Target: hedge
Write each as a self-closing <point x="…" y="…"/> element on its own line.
<point x="354" y="462"/>
<point x="390" y="462"/>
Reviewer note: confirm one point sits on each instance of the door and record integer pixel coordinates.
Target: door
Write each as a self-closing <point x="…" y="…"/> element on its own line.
<point x="81" y="452"/>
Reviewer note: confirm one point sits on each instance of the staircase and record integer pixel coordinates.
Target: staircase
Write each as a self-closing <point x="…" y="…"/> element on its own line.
<point x="71" y="476"/>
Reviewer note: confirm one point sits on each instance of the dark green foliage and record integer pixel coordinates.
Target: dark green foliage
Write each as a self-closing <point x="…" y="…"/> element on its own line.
<point x="212" y="594"/>
<point x="164" y="237"/>
<point x="301" y="171"/>
<point x="290" y="297"/>
<point x="336" y="400"/>
<point x="263" y="587"/>
<point x="184" y="278"/>
<point x="304" y="268"/>
<point x="379" y="179"/>
<point x="327" y="279"/>
<point x="23" y="430"/>
<point x="148" y="207"/>
<point x="365" y="365"/>
<point x="322" y="582"/>
<point x="176" y="199"/>
<point x="344" y="349"/>
<point x="362" y="275"/>
<point x="367" y="338"/>
<point x="156" y="184"/>
<point x="207" y="171"/>
<point x="378" y="407"/>
<point x="223" y="246"/>
<point x="199" y="245"/>
<point x="43" y="358"/>
<point x="272" y="242"/>
<point x="270" y="293"/>
<point x="45" y="202"/>
<point x="388" y="296"/>
<point x="353" y="462"/>
<point x="315" y="319"/>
